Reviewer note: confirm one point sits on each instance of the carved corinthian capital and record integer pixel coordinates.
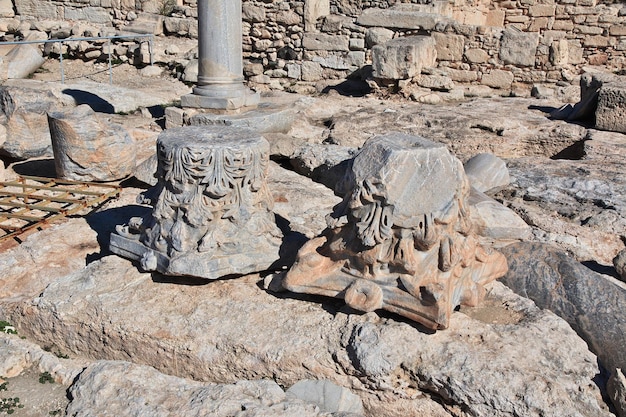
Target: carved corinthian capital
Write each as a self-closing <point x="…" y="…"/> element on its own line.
<point x="211" y="212"/>
<point x="400" y="240"/>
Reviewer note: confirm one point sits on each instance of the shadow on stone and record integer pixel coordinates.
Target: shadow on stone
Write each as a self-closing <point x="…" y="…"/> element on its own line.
<point x="350" y="88"/>
<point x="104" y="222"/>
<point x="601" y="269"/>
<point x="544" y="109"/>
<point x="36" y="167"/>
<point x="574" y="152"/>
<point x="97" y="103"/>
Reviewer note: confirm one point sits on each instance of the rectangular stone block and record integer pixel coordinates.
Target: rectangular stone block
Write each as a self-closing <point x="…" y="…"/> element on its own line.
<point x="538" y="23"/>
<point x="326" y="42"/>
<point x="611" y="110"/>
<point x="403" y="58"/>
<point x="37" y="8"/>
<point x="6" y="8"/>
<point x="562" y="24"/>
<point x="596" y="41"/>
<point x="449" y="47"/>
<point x="495" y="18"/>
<point x="518" y="48"/>
<point x="89" y="14"/>
<point x="617" y="30"/>
<point x="313" y="10"/>
<point x="400" y="18"/>
<point x="461" y="76"/>
<point x="539" y="10"/>
<point x="497" y="79"/>
<point x="589" y="30"/>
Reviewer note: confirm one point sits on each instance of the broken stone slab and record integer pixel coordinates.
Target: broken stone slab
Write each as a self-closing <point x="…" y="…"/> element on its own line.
<point x="20" y="62"/>
<point x="329" y="397"/>
<point x="389" y="248"/>
<point x="212" y="210"/>
<point x="403" y="17"/>
<point x="486" y="171"/>
<point x="87" y="148"/>
<point x="23" y="113"/>
<point x="403" y="58"/>
<point x="589" y="302"/>
<point x="325" y="164"/>
<point x="148" y="392"/>
<point x="493" y="220"/>
<point x="17" y="355"/>
<point x="102" y="98"/>
<point x="146" y="23"/>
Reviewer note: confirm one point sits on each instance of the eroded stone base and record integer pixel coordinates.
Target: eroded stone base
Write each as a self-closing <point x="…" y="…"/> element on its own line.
<point x="201" y="265"/>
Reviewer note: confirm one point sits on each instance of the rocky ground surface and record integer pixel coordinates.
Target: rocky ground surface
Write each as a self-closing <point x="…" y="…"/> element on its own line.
<point x="184" y="346"/>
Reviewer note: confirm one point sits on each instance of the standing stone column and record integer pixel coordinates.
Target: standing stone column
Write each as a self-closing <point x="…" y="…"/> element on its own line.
<point x="220" y="62"/>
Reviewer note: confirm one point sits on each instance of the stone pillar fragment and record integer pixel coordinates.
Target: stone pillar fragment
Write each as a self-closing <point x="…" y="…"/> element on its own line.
<point x="401" y="239"/>
<point x="220" y="58"/>
<point x="89" y="149"/>
<point x="211" y="212"/>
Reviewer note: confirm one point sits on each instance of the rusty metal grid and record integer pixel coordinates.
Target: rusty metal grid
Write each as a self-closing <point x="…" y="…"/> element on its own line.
<point x="30" y="202"/>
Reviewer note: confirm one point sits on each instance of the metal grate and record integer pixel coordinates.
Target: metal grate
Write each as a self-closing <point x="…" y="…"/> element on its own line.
<point x="31" y="202"/>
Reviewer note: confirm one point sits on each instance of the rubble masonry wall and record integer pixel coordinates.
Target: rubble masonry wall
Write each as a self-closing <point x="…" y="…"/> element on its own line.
<point x="496" y="43"/>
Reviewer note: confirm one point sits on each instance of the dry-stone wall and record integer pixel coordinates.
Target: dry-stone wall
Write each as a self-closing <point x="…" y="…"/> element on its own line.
<point x="498" y="43"/>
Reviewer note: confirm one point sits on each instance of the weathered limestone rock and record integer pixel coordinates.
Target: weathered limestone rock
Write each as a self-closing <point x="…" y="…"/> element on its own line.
<point x="518" y="48"/>
<point x="325" y="42"/>
<point x="557" y="282"/>
<point x="313" y="10"/>
<point x="327" y="395"/>
<point x="449" y="47"/>
<point x="87" y="148"/>
<point x="400" y="17"/>
<point x="199" y="331"/>
<point x="326" y="164"/>
<point x="493" y="220"/>
<point x="384" y="233"/>
<point x="619" y="262"/>
<point x="486" y="171"/>
<point x="375" y="36"/>
<point x="20" y="62"/>
<point x="403" y="58"/>
<point x="148" y="392"/>
<point x="616" y="388"/>
<point x="611" y="108"/>
<point x="17" y="355"/>
<point x="497" y="79"/>
<point x="23" y="112"/>
<point x="265" y="118"/>
<point x="212" y="209"/>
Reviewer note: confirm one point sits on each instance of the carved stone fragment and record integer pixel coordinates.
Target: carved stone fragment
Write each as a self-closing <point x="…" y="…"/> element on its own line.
<point x="400" y="240"/>
<point x="212" y="210"/>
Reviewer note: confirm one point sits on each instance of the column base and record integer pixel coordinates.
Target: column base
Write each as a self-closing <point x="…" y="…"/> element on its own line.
<point x="228" y="100"/>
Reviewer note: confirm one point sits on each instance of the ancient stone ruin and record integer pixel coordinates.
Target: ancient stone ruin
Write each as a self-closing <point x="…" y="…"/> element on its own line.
<point x="212" y="210"/>
<point x="400" y="240"/>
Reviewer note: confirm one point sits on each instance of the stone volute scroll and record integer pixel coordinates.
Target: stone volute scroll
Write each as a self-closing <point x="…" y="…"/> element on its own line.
<point x="212" y="211"/>
<point x="401" y="239"/>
